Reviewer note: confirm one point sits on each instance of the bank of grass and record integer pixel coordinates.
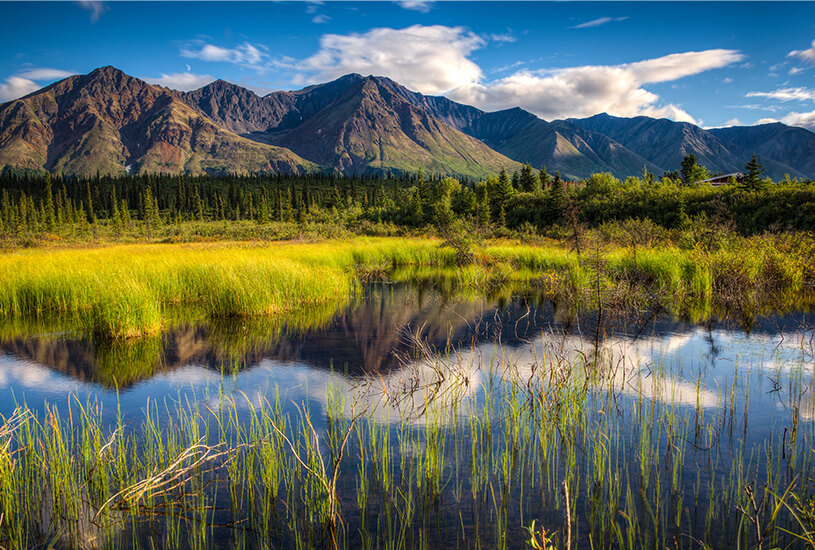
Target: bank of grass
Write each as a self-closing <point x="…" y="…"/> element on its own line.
<point x="125" y="291"/>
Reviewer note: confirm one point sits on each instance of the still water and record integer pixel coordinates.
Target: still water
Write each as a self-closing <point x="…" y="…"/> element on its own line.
<point x="740" y="388"/>
<point x="377" y="337"/>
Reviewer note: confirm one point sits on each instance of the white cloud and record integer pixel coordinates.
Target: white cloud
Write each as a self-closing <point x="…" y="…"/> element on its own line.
<point x="787" y="94"/>
<point x="436" y="60"/>
<point x="597" y="22"/>
<point x="45" y="74"/>
<point x="15" y="87"/>
<point x="505" y="37"/>
<point x="431" y="59"/>
<point x="96" y="8"/>
<point x="732" y="122"/>
<point x="796" y="70"/>
<point x="181" y="81"/>
<point x="245" y="54"/>
<point x="587" y="90"/>
<point x="415" y="5"/>
<point x="23" y="83"/>
<point x="321" y="18"/>
<point x="807" y="55"/>
<point x="804" y="120"/>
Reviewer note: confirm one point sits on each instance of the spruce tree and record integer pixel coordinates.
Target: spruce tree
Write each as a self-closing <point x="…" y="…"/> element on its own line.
<point x="544" y="177"/>
<point x="752" y="178"/>
<point x="527" y="179"/>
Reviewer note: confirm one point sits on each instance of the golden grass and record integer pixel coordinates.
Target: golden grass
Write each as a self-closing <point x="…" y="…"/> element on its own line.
<point x="127" y="291"/>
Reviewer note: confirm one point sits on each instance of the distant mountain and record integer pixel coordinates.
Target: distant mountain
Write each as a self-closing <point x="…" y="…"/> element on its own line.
<point x="112" y="123"/>
<point x="787" y="145"/>
<point x="240" y="110"/>
<point x="666" y="142"/>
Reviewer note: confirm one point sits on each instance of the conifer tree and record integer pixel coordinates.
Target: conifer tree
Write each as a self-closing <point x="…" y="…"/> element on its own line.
<point x="49" y="215"/>
<point x="558" y="195"/>
<point x="752" y="177"/>
<point x="527" y="179"/>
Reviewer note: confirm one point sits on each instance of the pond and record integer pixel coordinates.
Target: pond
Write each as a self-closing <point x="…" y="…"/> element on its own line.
<point x="461" y="419"/>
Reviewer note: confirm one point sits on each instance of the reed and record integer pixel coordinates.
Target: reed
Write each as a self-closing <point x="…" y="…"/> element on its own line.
<point x="557" y="452"/>
<point x="126" y="291"/>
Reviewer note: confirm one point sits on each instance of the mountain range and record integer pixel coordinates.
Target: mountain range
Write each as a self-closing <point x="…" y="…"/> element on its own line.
<point x="112" y="123"/>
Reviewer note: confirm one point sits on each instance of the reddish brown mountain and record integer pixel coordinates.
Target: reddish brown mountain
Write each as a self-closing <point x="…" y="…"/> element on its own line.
<point x="110" y="122"/>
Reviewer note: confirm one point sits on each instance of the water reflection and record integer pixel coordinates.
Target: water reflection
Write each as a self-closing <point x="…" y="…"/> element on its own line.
<point x="394" y="339"/>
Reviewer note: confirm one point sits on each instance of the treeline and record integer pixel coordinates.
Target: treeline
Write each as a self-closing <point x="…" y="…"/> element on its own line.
<point x="523" y="200"/>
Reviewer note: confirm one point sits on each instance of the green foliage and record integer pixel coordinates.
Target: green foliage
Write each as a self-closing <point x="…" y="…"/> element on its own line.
<point x="752" y="176"/>
<point x="691" y="171"/>
<point x="41" y="208"/>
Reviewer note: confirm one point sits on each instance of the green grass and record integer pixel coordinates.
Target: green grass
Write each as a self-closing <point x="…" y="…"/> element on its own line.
<point x="127" y="291"/>
<point x="236" y="470"/>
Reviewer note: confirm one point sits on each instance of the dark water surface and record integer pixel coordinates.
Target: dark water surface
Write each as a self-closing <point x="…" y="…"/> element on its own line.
<point x="394" y="335"/>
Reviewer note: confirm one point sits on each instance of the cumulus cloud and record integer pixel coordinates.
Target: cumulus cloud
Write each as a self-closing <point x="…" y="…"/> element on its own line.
<point x="416" y="5"/>
<point x="321" y="18"/>
<point x="23" y="83"/>
<point x="598" y="22"/>
<point x="431" y="59"/>
<point x="246" y="54"/>
<point x="181" y="81"/>
<point x="437" y="60"/>
<point x="15" y="87"/>
<point x="787" y="94"/>
<point x="807" y="55"/>
<point x="587" y="90"/>
<point x="804" y="120"/>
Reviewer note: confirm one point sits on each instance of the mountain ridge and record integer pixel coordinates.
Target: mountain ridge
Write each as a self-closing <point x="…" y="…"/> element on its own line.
<point x="110" y="122"/>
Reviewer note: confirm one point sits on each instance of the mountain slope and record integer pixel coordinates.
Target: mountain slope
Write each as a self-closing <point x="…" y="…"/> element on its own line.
<point x="109" y="122"/>
<point x="666" y="142"/>
<point x="112" y="123"/>
<point x="788" y="145"/>
<point x="240" y="110"/>
<point x="524" y="137"/>
<point x="359" y="125"/>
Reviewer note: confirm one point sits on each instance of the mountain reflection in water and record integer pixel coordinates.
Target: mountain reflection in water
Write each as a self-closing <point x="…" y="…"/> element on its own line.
<point x="382" y="336"/>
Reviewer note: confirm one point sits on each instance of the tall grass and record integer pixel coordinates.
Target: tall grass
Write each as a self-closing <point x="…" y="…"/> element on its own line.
<point x="133" y="290"/>
<point x="563" y="448"/>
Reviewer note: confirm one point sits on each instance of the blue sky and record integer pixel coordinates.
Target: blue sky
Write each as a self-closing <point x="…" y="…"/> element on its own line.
<point x="711" y="63"/>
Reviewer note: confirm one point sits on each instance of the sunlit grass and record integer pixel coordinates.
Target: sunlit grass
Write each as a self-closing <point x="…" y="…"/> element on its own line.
<point x="127" y="291"/>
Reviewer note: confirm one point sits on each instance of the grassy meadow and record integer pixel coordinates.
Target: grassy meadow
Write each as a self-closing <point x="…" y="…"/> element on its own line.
<point x="127" y="291"/>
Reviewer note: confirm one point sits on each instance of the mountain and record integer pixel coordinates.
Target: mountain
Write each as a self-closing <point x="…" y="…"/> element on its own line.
<point x="666" y="142"/>
<point x="787" y="145"/>
<point x="240" y="110"/>
<point x="353" y="125"/>
<point x="112" y="123"/>
<point x="522" y="136"/>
